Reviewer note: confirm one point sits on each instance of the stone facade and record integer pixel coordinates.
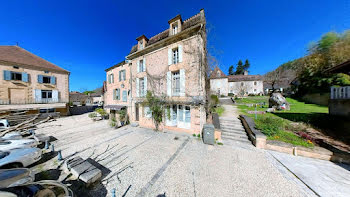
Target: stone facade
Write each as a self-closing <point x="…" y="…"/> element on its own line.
<point x="32" y="84"/>
<point x="240" y="85"/>
<point x="171" y="65"/>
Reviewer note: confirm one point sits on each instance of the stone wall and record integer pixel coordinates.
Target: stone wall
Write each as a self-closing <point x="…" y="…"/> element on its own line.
<point x="317" y="98"/>
<point x="339" y="107"/>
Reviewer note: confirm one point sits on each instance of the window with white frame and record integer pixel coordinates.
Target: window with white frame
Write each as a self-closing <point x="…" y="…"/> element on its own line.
<point x="110" y="78"/>
<point x="175" y="28"/>
<point x="142" y="67"/>
<point x="175" y="55"/>
<point x="218" y="74"/>
<point x="175" y="83"/>
<point x="142" y="86"/>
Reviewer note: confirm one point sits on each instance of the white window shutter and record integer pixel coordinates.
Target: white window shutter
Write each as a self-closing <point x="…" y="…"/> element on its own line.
<point x="145" y="86"/>
<point x="54" y="95"/>
<point x="180" y="53"/>
<point x="138" y="66"/>
<point x="37" y="96"/>
<point x="137" y="87"/>
<point x="168" y="83"/>
<point x="144" y="65"/>
<point x="169" y="57"/>
<point x="182" y="82"/>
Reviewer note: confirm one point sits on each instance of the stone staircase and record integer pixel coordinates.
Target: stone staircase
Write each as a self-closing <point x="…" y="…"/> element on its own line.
<point x="233" y="130"/>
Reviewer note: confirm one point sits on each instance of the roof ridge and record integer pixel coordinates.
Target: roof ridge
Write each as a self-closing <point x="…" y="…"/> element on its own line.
<point x="192" y="17"/>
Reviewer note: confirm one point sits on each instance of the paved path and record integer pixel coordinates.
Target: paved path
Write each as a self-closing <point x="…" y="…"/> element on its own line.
<point x="232" y="130"/>
<point x="323" y="178"/>
<point x="143" y="162"/>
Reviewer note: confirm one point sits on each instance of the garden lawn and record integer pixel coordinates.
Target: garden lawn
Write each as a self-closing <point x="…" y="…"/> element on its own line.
<point x="276" y="125"/>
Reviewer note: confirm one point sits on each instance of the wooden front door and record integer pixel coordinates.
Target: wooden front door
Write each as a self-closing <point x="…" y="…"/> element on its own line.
<point x="17" y="95"/>
<point x="137" y="112"/>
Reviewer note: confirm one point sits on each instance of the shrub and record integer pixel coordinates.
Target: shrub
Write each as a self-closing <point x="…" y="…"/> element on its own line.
<point x="122" y="115"/>
<point x="219" y="143"/>
<point x="194" y="135"/>
<point x="270" y="125"/>
<point x="101" y="111"/>
<point x="231" y="94"/>
<point x="214" y="99"/>
<point x="199" y="135"/>
<point x="93" y="115"/>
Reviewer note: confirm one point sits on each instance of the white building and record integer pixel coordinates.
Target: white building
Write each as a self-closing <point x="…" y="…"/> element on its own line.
<point x="240" y="85"/>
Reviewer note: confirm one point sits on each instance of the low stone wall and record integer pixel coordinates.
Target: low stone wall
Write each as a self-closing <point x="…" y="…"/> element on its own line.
<point x="317" y="98"/>
<point x="339" y="107"/>
<point x="77" y="110"/>
<point x="258" y="138"/>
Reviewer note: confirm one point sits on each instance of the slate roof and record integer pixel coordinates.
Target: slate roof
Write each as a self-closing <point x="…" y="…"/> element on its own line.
<point x="18" y="55"/>
<point x="192" y="21"/>
<point x="214" y="74"/>
<point x="235" y="78"/>
<point x="77" y="96"/>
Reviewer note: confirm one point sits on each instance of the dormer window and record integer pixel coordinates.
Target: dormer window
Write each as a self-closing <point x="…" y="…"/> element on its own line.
<point x="175" y="28"/>
<point x="218" y="74"/>
<point x="141" y="45"/>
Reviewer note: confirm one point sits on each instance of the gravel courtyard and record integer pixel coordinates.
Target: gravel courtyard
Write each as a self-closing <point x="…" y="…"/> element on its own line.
<point x="142" y="162"/>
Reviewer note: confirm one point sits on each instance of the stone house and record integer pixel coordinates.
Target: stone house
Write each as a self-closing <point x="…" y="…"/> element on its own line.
<point x="31" y="81"/>
<point x="117" y="93"/>
<point x="240" y="85"/>
<point x="172" y="65"/>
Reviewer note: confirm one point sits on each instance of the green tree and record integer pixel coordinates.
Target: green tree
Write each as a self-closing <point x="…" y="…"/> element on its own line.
<point x="246" y="65"/>
<point x="327" y="41"/>
<point x="239" y="68"/>
<point x="231" y="70"/>
<point x="156" y="106"/>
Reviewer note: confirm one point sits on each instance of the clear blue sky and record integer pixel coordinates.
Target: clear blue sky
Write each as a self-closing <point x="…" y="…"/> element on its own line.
<point x="86" y="37"/>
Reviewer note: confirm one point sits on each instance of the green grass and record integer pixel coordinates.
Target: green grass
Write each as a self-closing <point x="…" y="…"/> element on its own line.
<point x="275" y="125"/>
<point x="252" y="99"/>
<point x="219" y="110"/>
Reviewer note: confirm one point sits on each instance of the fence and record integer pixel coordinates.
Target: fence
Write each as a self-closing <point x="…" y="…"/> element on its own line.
<point x="340" y="92"/>
<point x="32" y="101"/>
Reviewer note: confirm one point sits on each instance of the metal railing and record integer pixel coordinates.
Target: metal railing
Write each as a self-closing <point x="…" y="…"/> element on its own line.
<point x="340" y="92"/>
<point x="31" y="101"/>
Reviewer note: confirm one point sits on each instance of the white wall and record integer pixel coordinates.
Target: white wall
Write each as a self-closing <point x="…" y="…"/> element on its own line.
<point x="219" y="84"/>
<point x="248" y="87"/>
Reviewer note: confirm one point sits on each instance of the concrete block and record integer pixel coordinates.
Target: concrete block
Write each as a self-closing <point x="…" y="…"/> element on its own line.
<point x="208" y="134"/>
<point x="84" y="170"/>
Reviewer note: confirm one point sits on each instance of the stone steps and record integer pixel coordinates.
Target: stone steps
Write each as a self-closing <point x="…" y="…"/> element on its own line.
<point x="233" y="130"/>
<point x="236" y="135"/>
<point x="236" y="139"/>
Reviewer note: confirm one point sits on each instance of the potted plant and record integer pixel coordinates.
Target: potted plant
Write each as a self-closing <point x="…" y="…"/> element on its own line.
<point x="122" y="116"/>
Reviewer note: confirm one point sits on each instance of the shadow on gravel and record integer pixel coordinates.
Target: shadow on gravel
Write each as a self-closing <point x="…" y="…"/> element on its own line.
<point x="52" y="174"/>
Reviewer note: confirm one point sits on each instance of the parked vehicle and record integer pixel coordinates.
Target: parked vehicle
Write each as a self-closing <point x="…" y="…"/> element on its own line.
<point x="4" y="124"/>
<point x="13" y="144"/>
<point x="16" y="176"/>
<point x="17" y="158"/>
<point x="12" y="136"/>
<point x="47" y="188"/>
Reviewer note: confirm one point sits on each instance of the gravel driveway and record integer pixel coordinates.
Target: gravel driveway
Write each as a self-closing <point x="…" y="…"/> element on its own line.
<point x="142" y="162"/>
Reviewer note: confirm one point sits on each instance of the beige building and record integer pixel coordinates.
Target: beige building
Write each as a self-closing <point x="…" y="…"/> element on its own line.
<point x="31" y="80"/>
<point x="118" y="87"/>
<point x="170" y="65"/>
<point x="240" y="85"/>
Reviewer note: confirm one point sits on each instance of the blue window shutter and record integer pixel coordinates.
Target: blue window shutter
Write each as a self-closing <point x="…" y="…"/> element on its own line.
<point x="118" y="94"/>
<point x="120" y="76"/>
<point x="7" y="75"/>
<point x="53" y="80"/>
<point x="24" y="77"/>
<point x="124" y="96"/>
<point x="40" y="79"/>
<point x="114" y="94"/>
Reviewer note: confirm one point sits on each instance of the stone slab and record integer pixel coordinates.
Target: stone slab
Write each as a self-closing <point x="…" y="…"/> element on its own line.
<point x="84" y="170"/>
